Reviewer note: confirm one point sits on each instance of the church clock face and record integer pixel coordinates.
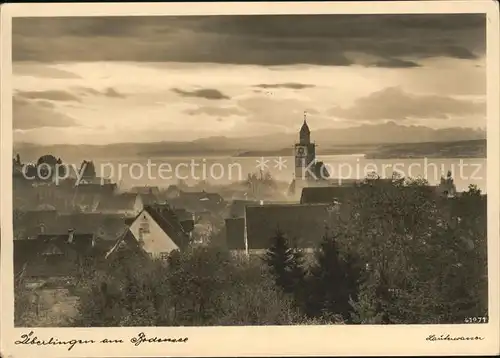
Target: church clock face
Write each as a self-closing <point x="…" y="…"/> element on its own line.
<point x="300" y="151"/>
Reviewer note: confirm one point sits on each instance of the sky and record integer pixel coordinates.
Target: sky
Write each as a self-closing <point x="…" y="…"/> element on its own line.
<point x="100" y="80"/>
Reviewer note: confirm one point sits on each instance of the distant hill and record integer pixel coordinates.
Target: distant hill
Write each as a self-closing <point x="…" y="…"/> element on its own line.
<point x="360" y="139"/>
<point x="456" y="149"/>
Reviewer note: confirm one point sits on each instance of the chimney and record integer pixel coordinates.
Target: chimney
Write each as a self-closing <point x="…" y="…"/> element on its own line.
<point x="71" y="235"/>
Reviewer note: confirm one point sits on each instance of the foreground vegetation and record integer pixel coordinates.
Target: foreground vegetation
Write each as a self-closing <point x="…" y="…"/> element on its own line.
<point x="395" y="254"/>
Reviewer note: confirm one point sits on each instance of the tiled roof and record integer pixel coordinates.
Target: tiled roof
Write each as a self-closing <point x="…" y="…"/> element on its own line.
<point x="30" y="223"/>
<point x="172" y="189"/>
<point x="145" y="190"/>
<point x="326" y="194"/>
<point x="29" y="198"/>
<point x="237" y="207"/>
<point x="235" y="233"/>
<point x="86" y="201"/>
<point x="168" y="221"/>
<point x="150" y="199"/>
<point x="105" y="226"/>
<point x="123" y="201"/>
<point x="53" y="255"/>
<point x="198" y="201"/>
<point x="303" y="225"/>
<point x="186" y="219"/>
<point x="97" y="188"/>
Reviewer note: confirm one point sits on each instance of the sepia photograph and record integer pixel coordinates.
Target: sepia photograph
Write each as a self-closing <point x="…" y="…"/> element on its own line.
<point x="250" y="169"/>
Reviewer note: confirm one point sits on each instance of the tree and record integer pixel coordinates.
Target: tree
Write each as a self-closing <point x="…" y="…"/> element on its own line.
<point x="199" y="286"/>
<point x="422" y="250"/>
<point x="285" y="264"/>
<point x="333" y="281"/>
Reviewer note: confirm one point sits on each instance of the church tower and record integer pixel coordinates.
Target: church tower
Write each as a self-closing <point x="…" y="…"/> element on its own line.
<point x="305" y="153"/>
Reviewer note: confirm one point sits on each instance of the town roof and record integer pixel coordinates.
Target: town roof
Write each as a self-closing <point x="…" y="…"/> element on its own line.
<point x="326" y="194"/>
<point x="150" y="198"/>
<point x="105" y="226"/>
<point x="53" y="255"/>
<point x="198" y="201"/>
<point x="84" y="199"/>
<point x="169" y="222"/>
<point x="123" y="201"/>
<point x="30" y="222"/>
<point x="145" y="190"/>
<point x="237" y="207"/>
<point x="235" y="233"/>
<point x="303" y="225"/>
<point x="96" y="188"/>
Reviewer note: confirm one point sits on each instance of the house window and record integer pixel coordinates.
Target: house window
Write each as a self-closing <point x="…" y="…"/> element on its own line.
<point x="145" y="225"/>
<point x="141" y="238"/>
<point x="164" y="255"/>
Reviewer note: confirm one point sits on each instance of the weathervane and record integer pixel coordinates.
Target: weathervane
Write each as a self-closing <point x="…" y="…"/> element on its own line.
<point x="305" y="115"/>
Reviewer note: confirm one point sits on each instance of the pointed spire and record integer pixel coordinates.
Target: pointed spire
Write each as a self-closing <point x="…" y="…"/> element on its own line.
<point x="305" y="132"/>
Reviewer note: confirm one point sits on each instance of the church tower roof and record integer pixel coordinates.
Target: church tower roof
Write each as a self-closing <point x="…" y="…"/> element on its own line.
<point x="305" y="128"/>
<point x="305" y="133"/>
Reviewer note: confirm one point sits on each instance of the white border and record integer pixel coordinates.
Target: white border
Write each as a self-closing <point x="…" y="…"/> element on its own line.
<point x="257" y="341"/>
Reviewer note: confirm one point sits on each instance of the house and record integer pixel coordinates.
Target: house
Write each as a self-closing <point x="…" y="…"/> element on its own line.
<point x="97" y="188"/>
<point x="186" y="219"/>
<point x="156" y="231"/>
<point x="85" y="202"/>
<point x="105" y="227"/>
<point x="30" y="224"/>
<point x="326" y="194"/>
<point x="29" y="197"/>
<point x="237" y="207"/>
<point x="235" y="234"/>
<point x="150" y="195"/>
<point x="128" y="204"/>
<point x="303" y="225"/>
<point x="58" y="258"/>
<point x="86" y="197"/>
<point x="146" y="190"/>
<point x="173" y="191"/>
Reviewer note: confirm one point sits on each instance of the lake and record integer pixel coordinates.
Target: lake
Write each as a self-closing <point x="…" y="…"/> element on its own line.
<point x="165" y="171"/>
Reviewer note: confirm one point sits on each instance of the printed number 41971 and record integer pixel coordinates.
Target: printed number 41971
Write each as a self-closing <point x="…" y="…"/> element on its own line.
<point x="476" y="320"/>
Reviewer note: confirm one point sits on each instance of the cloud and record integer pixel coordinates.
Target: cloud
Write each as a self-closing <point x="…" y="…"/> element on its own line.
<point x="28" y="114"/>
<point x="207" y="93"/>
<point x="108" y="92"/>
<point x="111" y="92"/>
<point x="290" y="85"/>
<point x="395" y="63"/>
<point x="44" y="71"/>
<point x="397" y="40"/>
<point x="394" y="104"/>
<point x="275" y="111"/>
<point x="51" y="95"/>
<point x="45" y="104"/>
<point x="215" y="111"/>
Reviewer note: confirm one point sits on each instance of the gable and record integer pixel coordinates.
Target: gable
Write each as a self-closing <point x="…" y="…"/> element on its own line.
<point x="154" y="238"/>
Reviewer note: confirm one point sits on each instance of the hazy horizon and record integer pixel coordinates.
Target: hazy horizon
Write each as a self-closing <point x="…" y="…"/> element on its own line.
<point x="184" y="78"/>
